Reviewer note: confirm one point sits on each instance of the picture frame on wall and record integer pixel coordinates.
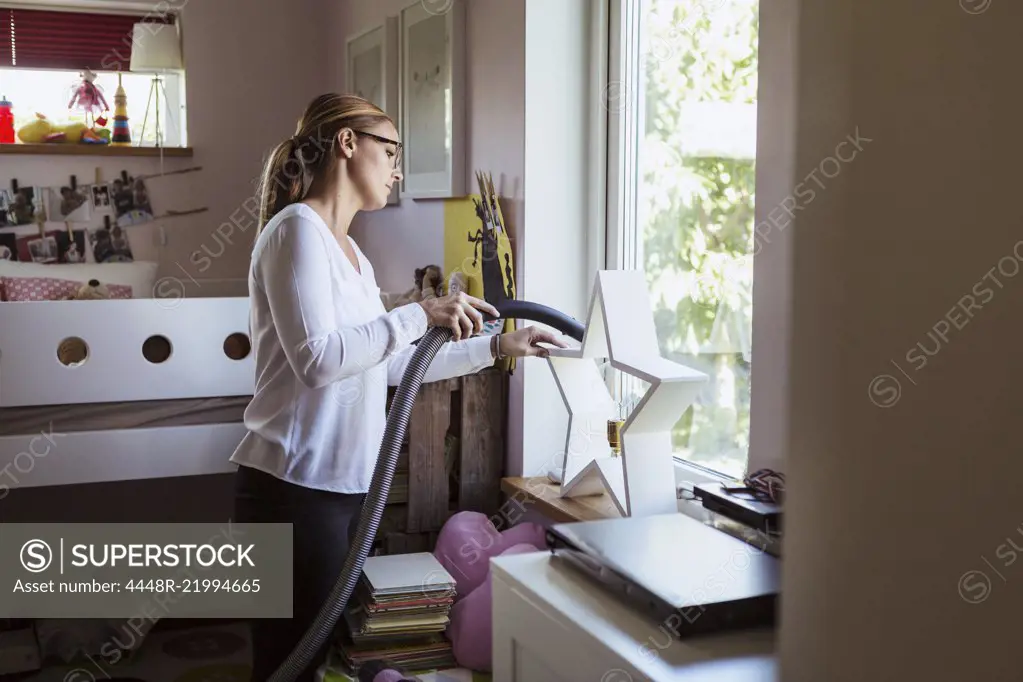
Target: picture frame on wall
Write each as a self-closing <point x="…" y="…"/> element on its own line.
<point x="433" y="100"/>
<point x="372" y="72"/>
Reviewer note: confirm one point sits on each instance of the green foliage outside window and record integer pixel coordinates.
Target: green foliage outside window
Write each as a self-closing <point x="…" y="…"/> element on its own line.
<point x="696" y="211"/>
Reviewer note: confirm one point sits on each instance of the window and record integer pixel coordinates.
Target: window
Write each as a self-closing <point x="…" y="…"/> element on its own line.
<point x="42" y="55"/>
<point x="682" y="113"/>
<point x="48" y="91"/>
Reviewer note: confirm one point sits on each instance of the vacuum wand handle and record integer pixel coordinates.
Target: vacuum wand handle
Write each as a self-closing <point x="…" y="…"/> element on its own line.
<point x="537" y="312"/>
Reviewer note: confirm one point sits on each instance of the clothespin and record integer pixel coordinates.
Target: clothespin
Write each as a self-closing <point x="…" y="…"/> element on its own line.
<point x="40" y="215"/>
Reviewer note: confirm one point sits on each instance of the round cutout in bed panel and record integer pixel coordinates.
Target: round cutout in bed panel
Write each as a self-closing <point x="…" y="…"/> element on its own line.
<point x="72" y="351"/>
<point x="237" y="346"/>
<point x="156" y="349"/>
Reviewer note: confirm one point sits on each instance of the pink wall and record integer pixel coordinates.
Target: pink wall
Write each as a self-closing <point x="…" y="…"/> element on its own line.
<point x="398" y="239"/>
<point x="245" y="91"/>
<point x="245" y="88"/>
<point x="248" y="84"/>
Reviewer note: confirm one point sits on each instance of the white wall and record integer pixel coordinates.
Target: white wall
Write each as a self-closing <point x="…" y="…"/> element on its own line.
<point x="776" y="203"/>
<point x="898" y="563"/>
<point x="560" y="104"/>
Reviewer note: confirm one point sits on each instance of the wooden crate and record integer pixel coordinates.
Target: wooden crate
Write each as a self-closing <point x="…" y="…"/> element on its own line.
<point x="452" y="460"/>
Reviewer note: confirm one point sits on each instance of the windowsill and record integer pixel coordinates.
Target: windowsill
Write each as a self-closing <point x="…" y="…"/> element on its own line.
<point x="688" y="475"/>
<point x="545" y="495"/>
<point x="537" y="499"/>
<point x="93" y="150"/>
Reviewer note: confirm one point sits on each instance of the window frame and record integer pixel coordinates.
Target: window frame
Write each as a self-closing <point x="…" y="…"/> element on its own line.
<point x="623" y="107"/>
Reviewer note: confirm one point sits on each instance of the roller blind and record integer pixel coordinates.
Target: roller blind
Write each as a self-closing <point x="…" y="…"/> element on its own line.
<point x="52" y="39"/>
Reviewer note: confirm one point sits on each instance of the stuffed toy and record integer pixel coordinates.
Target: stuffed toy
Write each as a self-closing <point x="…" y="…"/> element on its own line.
<point x="44" y="130"/>
<point x="458" y="283"/>
<point x="92" y="290"/>
<point x="87" y="97"/>
<point x="428" y="283"/>
<point x="464" y="548"/>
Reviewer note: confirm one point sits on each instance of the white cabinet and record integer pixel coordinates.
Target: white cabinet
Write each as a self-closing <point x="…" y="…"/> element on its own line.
<point x="552" y="624"/>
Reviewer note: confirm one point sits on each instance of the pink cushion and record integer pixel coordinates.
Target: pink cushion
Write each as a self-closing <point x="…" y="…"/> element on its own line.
<point x="50" y="288"/>
<point x="528" y="533"/>
<point x="468" y="540"/>
<point x="470" y="630"/>
<point x="464" y="547"/>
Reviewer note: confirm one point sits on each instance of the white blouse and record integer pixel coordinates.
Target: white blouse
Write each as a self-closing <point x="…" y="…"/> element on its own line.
<point x="326" y="350"/>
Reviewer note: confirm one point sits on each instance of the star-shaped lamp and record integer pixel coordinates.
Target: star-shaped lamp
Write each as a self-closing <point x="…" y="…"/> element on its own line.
<point x="620" y="327"/>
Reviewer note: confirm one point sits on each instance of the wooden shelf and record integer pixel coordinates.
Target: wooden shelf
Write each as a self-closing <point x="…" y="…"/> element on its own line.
<point x="545" y="495"/>
<point x="92" y="150"/>
<point x="452" y="460"/>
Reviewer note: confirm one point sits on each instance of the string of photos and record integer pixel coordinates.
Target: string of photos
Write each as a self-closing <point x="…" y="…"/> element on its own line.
<point x="95" y="218"/>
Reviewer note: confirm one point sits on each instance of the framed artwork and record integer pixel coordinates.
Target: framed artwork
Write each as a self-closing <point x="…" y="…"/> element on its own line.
<point x="371" y="72"/>
<point x="433" y="100"/>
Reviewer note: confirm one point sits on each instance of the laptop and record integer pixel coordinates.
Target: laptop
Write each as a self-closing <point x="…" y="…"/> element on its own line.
<point x="689" y="577"/>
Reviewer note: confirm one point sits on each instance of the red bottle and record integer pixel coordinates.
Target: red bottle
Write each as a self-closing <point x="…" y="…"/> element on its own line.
<point x="6" y="122"/>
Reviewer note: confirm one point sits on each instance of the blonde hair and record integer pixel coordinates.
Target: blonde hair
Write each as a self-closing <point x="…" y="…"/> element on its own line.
<point x="295" y="163"/>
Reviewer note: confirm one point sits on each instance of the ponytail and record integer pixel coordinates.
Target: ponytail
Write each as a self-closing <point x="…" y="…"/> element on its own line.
<point x="285" y="180"/>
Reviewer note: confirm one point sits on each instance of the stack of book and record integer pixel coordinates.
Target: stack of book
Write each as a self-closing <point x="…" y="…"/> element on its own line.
<point x="399" y="612"/>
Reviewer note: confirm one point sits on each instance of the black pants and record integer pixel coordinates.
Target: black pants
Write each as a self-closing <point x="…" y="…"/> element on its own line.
<point x="324" y="527"/>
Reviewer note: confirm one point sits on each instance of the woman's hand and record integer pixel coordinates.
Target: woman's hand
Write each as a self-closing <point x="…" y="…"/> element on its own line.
<point x="523" y="342"/>
<point x="459" y="312"/>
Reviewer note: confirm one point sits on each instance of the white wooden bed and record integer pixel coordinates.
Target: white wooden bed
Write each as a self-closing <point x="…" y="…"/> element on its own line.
<point x="116" y="415"/>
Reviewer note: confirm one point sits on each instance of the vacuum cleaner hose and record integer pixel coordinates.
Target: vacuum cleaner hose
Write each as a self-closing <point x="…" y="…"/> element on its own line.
<point x="323" y="626"/>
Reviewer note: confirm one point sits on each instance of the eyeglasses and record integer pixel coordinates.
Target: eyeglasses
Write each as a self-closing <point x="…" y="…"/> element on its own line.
<point x="384" y="140"/>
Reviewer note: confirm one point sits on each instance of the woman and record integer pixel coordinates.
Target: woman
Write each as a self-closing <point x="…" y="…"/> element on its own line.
<point x="326" y="350"/>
